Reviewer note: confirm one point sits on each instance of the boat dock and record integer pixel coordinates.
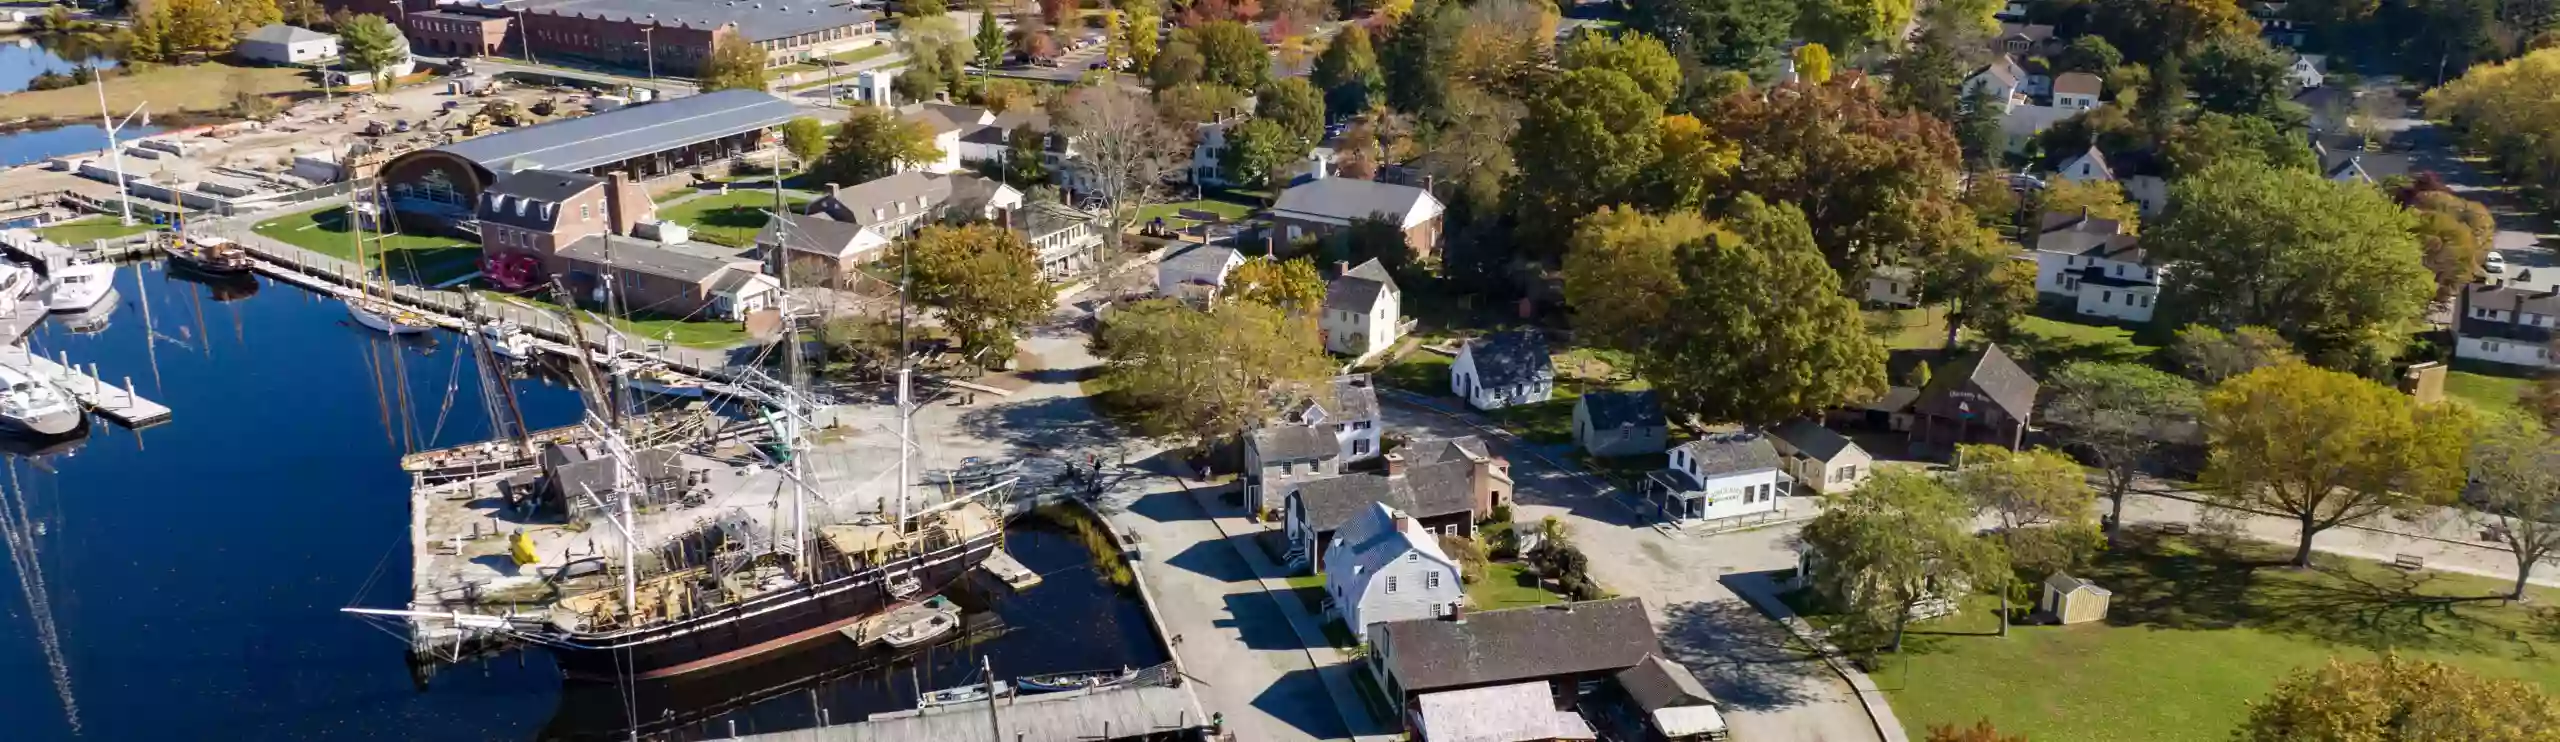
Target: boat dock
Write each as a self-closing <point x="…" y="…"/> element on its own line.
<point x="1118" y="713"/>
<point x="48" y="255"/>
<point x="1010" y="570"/>
<point x="118" y="403"/>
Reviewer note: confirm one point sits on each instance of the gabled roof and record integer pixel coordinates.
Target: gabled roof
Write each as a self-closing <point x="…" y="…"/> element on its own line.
<point x="643" y="257"/>
<point x="1678" y="703"/>
<point x="531" y="198"/>
<point x="1422" y="492"/>
<point x="1511" y="358"/>
<point x="1731" y="453"/>
<point x="2513" y="299"/>
<point x="625" y="133"/>
<point x="1202" y="260"/>
<point x="2089" y="236"/>
<point x="2067" y="583"/>
<point x="278" y="33"/>
<point x="1435" y="451"/>
<point x="813" y="235"/>
<point x="1351" y="199"/>
<point x="2004" y="71"/>
<point x="1989" y="370"/>
<point x="1358" y="289"/>
<point x="2346" y="157"/>
<point x="2095" y="158"/>
<point x="2078" y="83"/>
<point x="1295" y="443"/>
<point x="1517" y="644"/>
<point x="1616" y="410"/>
<point x="1375" y="537"/>
<point x="946" y="117"/>
<point x="898" y="196"/>
<point x="1519" y="712"/>
<point x="1811" y="439"/>
<point x="1354" y="397"/>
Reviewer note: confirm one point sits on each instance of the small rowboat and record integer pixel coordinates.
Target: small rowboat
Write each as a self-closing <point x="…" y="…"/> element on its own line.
<point x="1066" y="681"/>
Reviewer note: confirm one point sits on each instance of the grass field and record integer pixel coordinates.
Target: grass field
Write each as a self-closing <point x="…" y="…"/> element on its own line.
<point x="1508" y="585"/>
<point x="421" y="259"/>
<point x="1924" y="328"/>
<point x="2489" y="393"/>
<point x="2197" y="630"/>
<point x="197" y="88"/>
<point x="1226" y="211"/>
<point x="84" y="231"/>
<point x="705" y="334"/>
<point x="2053" y="342"/>
<point x="730" y="219"/>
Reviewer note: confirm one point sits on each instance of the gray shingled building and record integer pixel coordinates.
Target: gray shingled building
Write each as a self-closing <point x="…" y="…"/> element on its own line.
<point x="441" y="184"/>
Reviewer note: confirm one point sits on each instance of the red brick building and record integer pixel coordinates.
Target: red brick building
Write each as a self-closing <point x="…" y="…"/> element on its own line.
<point x="623" y="33"/>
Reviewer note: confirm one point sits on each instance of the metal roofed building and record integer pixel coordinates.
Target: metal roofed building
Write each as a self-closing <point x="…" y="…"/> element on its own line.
<point x="669" y="36"/>
<point x="644" y="141"/>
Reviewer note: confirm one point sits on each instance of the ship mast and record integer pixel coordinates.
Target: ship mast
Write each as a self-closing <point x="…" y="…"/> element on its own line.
<point x="906" y="276"/>
<point x="794" y="380"/>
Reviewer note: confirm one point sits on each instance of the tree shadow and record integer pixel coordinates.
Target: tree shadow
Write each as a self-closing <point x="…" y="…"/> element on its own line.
<point x="1746" y="660"/>
<point x="1168" y="507"/>
<point x="1216" y="560"/>
<point x="2378" y="611"/>
<point x="1259" y="622"/>
<point x="2164" y="581"/>
<point x="1050" y="425"/>
<point x="1299" y="699"/>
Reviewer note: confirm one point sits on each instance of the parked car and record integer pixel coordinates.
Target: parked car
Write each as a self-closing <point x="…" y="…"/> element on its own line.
<point x="2497" y="263"/>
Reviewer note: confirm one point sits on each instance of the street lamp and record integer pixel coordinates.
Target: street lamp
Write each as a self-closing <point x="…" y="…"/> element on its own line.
<point x="649" y="40"/>
<point x="124" y="190"/>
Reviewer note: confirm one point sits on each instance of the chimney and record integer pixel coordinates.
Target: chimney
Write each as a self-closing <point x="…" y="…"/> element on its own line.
<point x="832" y="188"/>
<point x="616" y="213"/>
<point x="1342" y="267"/>
<point x="1395" y="464"/>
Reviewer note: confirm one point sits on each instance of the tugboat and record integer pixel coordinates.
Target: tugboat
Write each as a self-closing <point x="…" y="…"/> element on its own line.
<point x="208" y="255"/>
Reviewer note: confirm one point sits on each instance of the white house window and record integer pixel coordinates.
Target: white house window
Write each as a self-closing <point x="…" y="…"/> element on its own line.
<point x="1360" y="447"/>
<point x="1284" y="467"/>
<point x="1391" y="584"/>
<point x="1431" y="581"/>
<point x="1413" y="556"/>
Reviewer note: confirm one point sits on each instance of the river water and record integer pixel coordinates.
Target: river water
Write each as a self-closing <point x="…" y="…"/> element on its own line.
<point x="22" y="60"/>
<point x="184" y="581"/>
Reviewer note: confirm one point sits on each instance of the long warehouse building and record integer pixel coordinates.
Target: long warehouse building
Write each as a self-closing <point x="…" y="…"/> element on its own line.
<point x="437" y="187"/>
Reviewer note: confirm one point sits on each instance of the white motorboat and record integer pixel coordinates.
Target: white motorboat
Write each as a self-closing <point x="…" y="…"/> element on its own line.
<point x="507" y="339"/>
<point x="382" y="316"/>
<point x="656" y="378"/>
<point x="932" y="625"/>
<point x="78" y="286"/>
<point x="16" y="283"/>
<point x="92" y="319"/>
<point x="29" y="404"/>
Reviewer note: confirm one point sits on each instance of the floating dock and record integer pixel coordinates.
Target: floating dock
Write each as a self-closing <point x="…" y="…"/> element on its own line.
<point x="1121" y="713"/>
<point x="118" y="403"/>
<point x="1010" y="570"/>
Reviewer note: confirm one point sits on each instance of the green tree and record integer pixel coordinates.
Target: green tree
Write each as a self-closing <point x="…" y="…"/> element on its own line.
<point x="200" y="28"/>
<point x="923" y="8"/>
<point x="371" y="44"/>
<point x="2242" y="76"/>
<point x="1194" y="376"/>
<point x="1695" y="162"/>
<point x="1978" y="133"/>
<point x="2515" y="466"/>
<point x="1622" y="272"/>
<point x="1590" y="140"/>
<point x="1979" y="276"/>
<point x="1348" y="72"/>
<point x="1180" y="64"/>
<point x="1900" y="540"/>
<point x="1873" y="183"/>
<point x="2091" y="54"/>
<point x="2116" y="414"/>
<point x="2326" y="448"/>
<point x="734" y="65"/>
<point x="1255" y="152"/>
<point x="1813" y="64"/>
<point x="805" y="138"/>
<point x="985" y="280"/>
<point x="1292" y="286"/>
<point x="1416" y="60"/>
<point x="2040" y="504"/>
<point x="1231" y="54"/>
<point x="1467" y="151"/>
<point x="2210" y="356"/>
<point x="1929" y="76"/>
<point x="1640" y="57"/>
<point x="2103" y="199"/>
<point x="1767" y="336"/>
<point x="2214" y="138"/>
<point x="1138" y="35"/>
<point x="1296" y="106"/>
<point x="1732" y="34"/>
<point x="1850" y="25"/>
<point x="2332" y="265"/>
<point x="990" y="37"/>
<point x="152" y="33"/>
<point x="2399" y="700"/>
<point x="874" y="143"/>
<point x="1025" y="157"/>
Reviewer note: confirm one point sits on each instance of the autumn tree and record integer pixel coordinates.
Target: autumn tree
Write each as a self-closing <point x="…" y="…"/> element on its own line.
<point x="805" y="138"/>
<point x="1589" y="141"/>
<point x="2515" y="471"/>
<point x="1694" y="164"/>
<point x="2209" y="355"/>
<point x="1194" y="376"/>
<point x="1125" y="150"/>
<point x="1850" y="25"/>
<point x="1986" y="287"/>
<point x="1768" y="338"/>
<point x="1901" y="539"/>
<point x="874" y="143"/>
<point x="2117" y="414"/>
<point x="1622" y="272"/>
<point x="735" y="64"/>
<point x="369" y="43"/>
<point x="2103" y="199"/>
<point x="2400" y="700"/>
<point x="1137" y="32"/>
<point x="1813" y="64"/>
<point x="2332" y="265"/>
<point x="2508" y="111"/>
<point x="2454" y="235"/>
<point x="1871" y="182"/>
<point x="1295" y="105"/>
<point x="1347" y="72"/>
<point x="2214" y="138"/>
<point x="1642" y="58"/>
<point x="1467" y="151"/>
<point x="985" y="280"/>
<point x="304" y="13"/>
<point x="1231" y="54"/>
<point x="1292" y="286"/>
<point x="2327" y="448"/>
<point x="2038" y="502"/>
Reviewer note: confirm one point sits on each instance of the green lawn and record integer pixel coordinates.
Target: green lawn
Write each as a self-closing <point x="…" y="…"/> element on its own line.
<point x="1924" y="328"/>
<point x="421" y="259"/>
<point x="2489" y="393"/>
<point x="703" y="334"/>
<point x="1420" y="371"/>
<point x="2194" y="632"/>
<point x="84" y="231"/>
<point x="1508" y="585"/>
<point x="2054" y="342"/>
<point x="1226" y="211"/>
<point x="1550" y="421"/>
<point x="730" y="219"/>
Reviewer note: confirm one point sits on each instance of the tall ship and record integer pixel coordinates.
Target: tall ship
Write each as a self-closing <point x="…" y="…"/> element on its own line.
<point x="635" y="562"/>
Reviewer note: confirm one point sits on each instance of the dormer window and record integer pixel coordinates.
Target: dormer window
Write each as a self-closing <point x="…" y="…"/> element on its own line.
<point x="586" y="212"/>
<point x="877" y="214"/>
<point x="520" y="207"/>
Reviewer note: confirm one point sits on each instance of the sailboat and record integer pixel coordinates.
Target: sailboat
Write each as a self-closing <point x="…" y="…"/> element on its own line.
<point x="378" y="313"/>
<point x="720" y="584"/>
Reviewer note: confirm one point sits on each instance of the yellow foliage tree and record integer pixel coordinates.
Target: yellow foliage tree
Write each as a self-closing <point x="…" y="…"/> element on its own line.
<point x="2396" y="700"/>
<point x="2327" y="448"/>
<point x="2100" y="198"/>
<point x="1813" y="64"/>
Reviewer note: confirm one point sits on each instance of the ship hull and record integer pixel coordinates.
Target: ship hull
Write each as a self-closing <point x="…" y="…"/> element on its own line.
<point x="766" y="624"/>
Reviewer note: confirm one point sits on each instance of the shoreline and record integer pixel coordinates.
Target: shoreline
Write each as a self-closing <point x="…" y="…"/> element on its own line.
<point x="171" y="121"/>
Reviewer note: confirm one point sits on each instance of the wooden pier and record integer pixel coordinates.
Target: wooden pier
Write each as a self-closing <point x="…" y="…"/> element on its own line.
<point x="1010" y="571"/>
<point x="1138" y="712"/>
<point x="117" y="403"/>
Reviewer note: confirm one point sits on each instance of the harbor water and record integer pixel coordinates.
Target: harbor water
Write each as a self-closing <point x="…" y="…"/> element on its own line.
<point x="185" y="581"/>
<point x="21" y="60"/>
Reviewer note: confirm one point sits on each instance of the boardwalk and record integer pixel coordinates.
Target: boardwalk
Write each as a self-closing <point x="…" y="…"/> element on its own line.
<point x="118" y="403"/>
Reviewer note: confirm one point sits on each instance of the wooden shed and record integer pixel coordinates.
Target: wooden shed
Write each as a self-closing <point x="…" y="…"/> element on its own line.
<point x="2073" y="600"/>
